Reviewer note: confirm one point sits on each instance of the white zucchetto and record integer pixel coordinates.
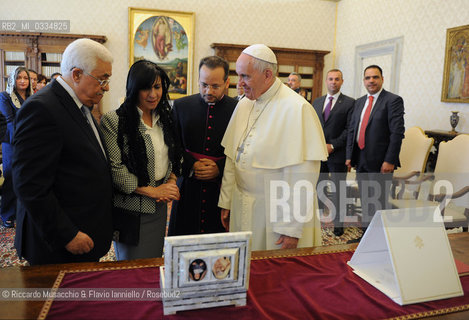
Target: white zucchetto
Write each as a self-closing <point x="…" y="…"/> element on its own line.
<point x="261" y="52"/>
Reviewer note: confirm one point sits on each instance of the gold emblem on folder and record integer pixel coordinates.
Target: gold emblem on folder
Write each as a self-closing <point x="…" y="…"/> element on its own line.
<point x="418" y="242"/>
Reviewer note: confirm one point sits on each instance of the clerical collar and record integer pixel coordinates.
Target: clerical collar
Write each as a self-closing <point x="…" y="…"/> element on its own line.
<point x="211" y="103"/>
<point x="266" y="96"/>
<point x="214" y="103"/>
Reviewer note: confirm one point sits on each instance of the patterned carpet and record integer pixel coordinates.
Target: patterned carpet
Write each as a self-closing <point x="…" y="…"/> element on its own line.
<point x="9" y="258"/>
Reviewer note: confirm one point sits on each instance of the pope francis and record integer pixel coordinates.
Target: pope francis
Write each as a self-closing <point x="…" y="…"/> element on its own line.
<point x="274" y="138"/>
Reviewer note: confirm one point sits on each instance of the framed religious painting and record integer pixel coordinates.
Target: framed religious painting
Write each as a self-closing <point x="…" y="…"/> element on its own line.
<point x="166" y="38"/>
<point x="456" y="72"/>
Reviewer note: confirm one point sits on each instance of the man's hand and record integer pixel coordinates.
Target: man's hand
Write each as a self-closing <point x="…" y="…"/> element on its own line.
<point x="387" y="167"/>
<point x="225" y="219"/>
<point x="205" y="169"/>
<point x="329" y="148"/>
<point x="287" y="242"/>
<point x="81" y="244"/>
<point x="348" y="163"/>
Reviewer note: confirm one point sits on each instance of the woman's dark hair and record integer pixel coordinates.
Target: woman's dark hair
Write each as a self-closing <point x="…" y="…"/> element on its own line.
<point x="14" y="76"/>
<point x="41" y="77"/>
<point x="142" y="76"/>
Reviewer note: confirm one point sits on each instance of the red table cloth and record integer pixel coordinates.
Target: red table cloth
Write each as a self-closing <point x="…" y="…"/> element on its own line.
<point x="319" y="286"/>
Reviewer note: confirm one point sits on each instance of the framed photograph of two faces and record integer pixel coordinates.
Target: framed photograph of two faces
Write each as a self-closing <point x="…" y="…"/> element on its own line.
<point x="166" y="38"/>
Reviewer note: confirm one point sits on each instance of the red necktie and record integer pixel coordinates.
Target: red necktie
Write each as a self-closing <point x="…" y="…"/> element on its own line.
<point x="361" y="138"/>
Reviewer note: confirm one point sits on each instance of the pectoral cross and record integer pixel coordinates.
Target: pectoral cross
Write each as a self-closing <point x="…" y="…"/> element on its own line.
<point x="240" y="150"/>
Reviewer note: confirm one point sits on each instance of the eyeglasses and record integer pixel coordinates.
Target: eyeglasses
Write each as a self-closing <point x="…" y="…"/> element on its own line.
<point x="102" y="83"/>
<point x="214" y="86"/>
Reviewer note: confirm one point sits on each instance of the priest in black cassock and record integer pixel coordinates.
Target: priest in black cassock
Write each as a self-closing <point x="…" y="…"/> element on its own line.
<point x="201" y="120"/>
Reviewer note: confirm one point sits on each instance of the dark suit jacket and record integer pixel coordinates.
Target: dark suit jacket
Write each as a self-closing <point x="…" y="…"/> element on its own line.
<point x="336" y="126"/>
<point x="383" y="135"/>
<point x="62" y="180"/>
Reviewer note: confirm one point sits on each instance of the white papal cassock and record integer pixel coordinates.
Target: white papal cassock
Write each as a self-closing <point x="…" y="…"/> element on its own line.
<point x="276" y="137"/>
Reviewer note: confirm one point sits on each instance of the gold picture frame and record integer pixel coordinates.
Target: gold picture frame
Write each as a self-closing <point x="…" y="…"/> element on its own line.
<point x="166" y="38"/>
<point x="456" y="72"/>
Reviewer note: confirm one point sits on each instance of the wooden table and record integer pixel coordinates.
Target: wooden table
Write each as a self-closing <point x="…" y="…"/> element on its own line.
<point x="44" y="276"/>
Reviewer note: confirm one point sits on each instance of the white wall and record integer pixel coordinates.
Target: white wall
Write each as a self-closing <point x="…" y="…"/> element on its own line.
<point x="305" y="24"/>
<point x="423" y="24"/>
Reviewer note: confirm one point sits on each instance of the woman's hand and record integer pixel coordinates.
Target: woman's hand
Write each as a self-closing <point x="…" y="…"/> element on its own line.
<point x="172" y="179"/>
<point x="167" y="192"/>
<point x="163" y="193"/>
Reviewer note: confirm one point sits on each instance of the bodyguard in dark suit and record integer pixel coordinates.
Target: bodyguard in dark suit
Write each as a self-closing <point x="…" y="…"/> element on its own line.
<point x="374" y="140"/>
<point x="334" y="111"/>
<point x="60" y="170"/>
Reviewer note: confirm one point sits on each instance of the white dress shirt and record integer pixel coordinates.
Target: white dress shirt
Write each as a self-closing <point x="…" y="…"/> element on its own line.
<point x="375" y="98"/>
<point x="159" y="147"/>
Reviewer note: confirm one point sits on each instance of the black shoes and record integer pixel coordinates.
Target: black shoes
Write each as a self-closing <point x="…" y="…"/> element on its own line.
<point x="9" y="223"/>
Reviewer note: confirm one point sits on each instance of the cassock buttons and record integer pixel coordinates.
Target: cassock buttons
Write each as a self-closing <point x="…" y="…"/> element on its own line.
<point x="210" y="116"/>
<point x="208" y="138"/>
<point x="209" y="127"/>
<point x="207" y="149"/>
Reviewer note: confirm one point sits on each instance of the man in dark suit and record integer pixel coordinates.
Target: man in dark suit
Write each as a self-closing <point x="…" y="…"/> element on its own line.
<point x="201" y="120"/>
<point x="374" y="141"/>
<point x="60" y="169"/>
<point x="334" y="111"/>
<point x="294" y="81"/>
<point x="240" y="92"/>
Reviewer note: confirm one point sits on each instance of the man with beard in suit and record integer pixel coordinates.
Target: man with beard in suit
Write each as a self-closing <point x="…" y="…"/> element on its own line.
<point x="374" y="141"/>
<point x="201" y="120"/>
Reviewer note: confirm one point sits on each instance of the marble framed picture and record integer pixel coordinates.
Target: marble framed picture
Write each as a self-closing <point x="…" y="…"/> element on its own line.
<point x="207" y="270"/>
